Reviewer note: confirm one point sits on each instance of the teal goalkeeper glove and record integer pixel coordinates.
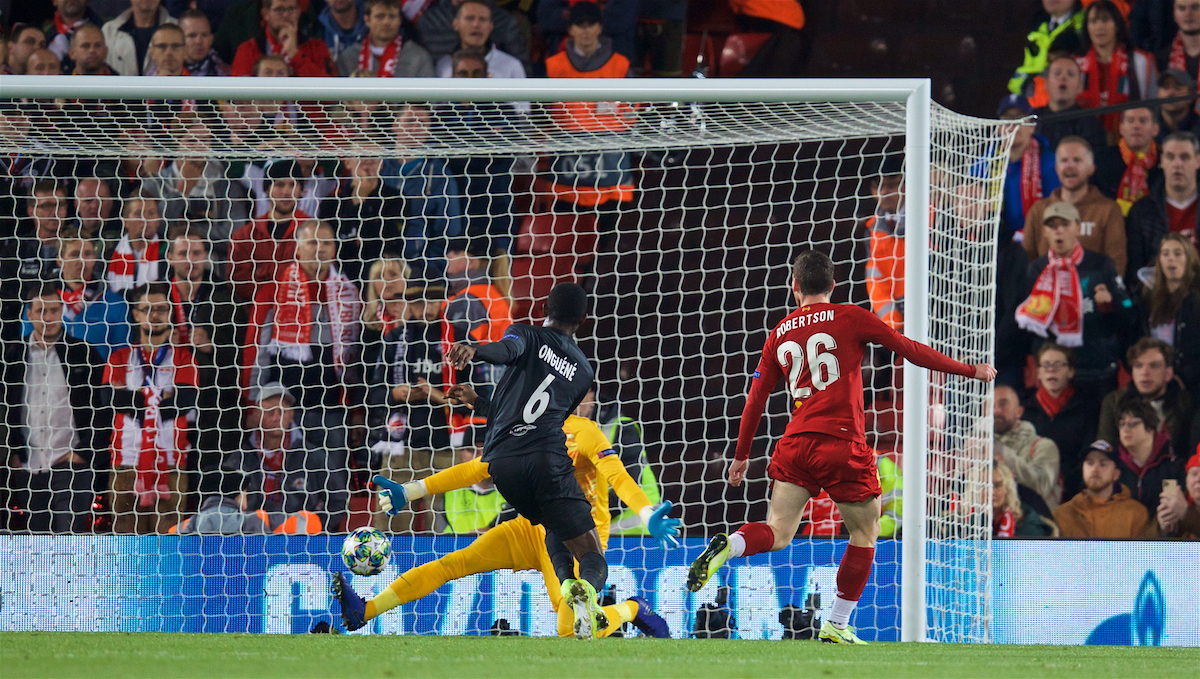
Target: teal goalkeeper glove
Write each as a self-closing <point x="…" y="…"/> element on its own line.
<point x="662" y="527"/>
<point x="392" y="497"/>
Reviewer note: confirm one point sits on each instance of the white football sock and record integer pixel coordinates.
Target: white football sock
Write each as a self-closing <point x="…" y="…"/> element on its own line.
<point x="737" y="545"/>
<point x="839" y="617"/>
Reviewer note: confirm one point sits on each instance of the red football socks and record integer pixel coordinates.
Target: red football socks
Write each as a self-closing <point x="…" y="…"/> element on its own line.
<point x="758" y="538"/>
<point x="853" y="572"/>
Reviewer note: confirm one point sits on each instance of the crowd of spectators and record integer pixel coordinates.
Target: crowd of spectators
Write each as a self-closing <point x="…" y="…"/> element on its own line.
<point x="195" y="344"/>
<point x="1095" y="425"/>
<point x="242" y="342"/>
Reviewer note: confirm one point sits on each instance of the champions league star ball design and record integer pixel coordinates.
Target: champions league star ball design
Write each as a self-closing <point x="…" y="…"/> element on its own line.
<point x="366" y="551"/>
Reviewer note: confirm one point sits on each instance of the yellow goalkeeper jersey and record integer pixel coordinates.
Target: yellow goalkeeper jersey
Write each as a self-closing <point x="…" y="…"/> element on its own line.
<point x="597" y="467"/>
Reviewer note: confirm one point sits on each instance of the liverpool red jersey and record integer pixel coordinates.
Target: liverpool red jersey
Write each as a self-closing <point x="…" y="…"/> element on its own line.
<point x="818" y="350"/>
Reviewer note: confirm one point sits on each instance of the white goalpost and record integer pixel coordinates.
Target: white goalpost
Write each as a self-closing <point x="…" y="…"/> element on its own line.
<point x="711" y="187"/>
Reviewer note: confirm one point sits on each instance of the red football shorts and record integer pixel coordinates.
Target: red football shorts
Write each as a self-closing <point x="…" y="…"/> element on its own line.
<point x="845" y="469"/>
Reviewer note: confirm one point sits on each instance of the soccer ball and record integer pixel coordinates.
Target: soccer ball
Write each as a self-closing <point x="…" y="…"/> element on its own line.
<point x="366" y="551"/>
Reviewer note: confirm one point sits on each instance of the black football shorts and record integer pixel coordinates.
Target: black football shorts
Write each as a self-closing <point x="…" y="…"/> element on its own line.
<point x="541" y="486"/>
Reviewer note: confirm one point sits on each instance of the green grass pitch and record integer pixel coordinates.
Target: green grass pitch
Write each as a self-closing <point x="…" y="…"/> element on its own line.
<point x="76" y="654"/>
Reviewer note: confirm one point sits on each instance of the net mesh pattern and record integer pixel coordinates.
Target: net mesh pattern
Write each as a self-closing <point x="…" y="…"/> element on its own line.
<point x="681" y="219"/>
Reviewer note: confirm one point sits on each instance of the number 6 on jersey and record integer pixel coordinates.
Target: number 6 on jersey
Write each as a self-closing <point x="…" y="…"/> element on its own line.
<point x="538" y="401"/>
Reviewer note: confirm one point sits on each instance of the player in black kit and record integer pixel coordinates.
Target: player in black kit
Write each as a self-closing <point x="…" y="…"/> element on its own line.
<point x="526" y="449"/>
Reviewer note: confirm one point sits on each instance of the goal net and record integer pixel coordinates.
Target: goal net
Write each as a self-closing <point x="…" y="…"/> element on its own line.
<point x="206" y="486"/>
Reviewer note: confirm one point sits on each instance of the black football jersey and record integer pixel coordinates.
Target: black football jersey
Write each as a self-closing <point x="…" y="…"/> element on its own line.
<point x="546" y="378"/>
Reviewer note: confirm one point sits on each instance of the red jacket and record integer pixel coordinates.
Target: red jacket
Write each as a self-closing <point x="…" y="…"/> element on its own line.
<point x="312" y="58"/>
<point x="255" y="256"/>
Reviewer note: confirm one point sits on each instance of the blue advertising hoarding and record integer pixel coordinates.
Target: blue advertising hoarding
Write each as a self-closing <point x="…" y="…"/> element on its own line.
<point x="1096" y="592"/>
<point x="1075" y="592"/>
<point x="280" y="584"/>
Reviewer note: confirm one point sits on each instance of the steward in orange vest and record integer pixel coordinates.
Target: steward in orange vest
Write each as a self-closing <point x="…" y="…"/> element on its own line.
<point x="231" y="515"/>
<point x="885" y="261"/>
<point x="477" y="311"/>
<point x="303" y="522"/>
<point x="475" y="307"/>
<point x="885" y="269"/>
<point x="590" y="179"/>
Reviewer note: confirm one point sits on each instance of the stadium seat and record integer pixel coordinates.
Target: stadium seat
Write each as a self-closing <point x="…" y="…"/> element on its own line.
<point x="739" y="49"/>
<point x="866" y="53"/>
<point x="545" y="231"/>
<point x="713" y="17"/>
<point x="879" y="12"/>
<point x="943" y="53"/>
<point x="533" y="278"/>
<point x="821" y="517"/>
<point x="362" y="510"/>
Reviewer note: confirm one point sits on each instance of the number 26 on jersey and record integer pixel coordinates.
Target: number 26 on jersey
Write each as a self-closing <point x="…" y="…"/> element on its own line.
<point x="822" y="365"/>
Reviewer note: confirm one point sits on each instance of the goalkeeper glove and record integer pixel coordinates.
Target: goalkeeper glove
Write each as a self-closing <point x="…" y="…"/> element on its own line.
<point x="662" y="527"/>
<point x="392" y="497"/>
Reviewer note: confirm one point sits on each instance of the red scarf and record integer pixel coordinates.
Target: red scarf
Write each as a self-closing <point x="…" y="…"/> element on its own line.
<point x="1133" y="182"/>
<point x="386" y="320"/>
<point x="62" y="27"/>
<point x="151" y="483"/>
<point x="127" y="268"/>
<point x="294" y="298"/>
<point x="1114" y="90"/>
<point x="75" y="301"/>
<point x="387" y="62"/>
<point x="1031" y="175"/>
<point x="183" y="329"/>
<point x="413" y="9"/>
<point x="274" y="46"/>
<point x="272" y="463"/>
<point x="1051" y="405"/>
<point x="1055" y="304"/>
<point x="1178" y="58"/>
<point x="1004" y="524"/>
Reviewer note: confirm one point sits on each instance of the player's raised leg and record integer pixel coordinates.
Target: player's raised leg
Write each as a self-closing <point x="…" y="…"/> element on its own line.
<point x="498" y="548"/>
<point x="862" y="521"/>
<point x="783" y="519"/>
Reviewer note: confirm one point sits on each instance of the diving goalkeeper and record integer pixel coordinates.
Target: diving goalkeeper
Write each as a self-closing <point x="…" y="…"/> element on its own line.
<point x="517" y="544"/>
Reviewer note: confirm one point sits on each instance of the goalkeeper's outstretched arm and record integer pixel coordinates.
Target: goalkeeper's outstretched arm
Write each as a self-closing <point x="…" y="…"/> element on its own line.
<point x="660" y="526"/>
<point x="393" y="496"/>
<point x="617" y="476"/>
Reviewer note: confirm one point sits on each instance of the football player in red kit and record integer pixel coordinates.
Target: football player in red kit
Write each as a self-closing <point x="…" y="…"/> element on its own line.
<point x="819" y="350"/>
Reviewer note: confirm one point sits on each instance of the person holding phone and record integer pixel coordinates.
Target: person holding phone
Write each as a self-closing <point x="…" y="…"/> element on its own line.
<point x="1178" y="514"/>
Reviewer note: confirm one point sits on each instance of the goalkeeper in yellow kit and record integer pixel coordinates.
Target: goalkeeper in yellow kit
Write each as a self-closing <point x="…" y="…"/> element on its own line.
<point x="517" y="544"/>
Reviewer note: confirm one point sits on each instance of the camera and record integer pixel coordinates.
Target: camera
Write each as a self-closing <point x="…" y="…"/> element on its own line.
<point x="802" y="623"/>
<point x="715" y="620"/>
<point x="501" y="628"/>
